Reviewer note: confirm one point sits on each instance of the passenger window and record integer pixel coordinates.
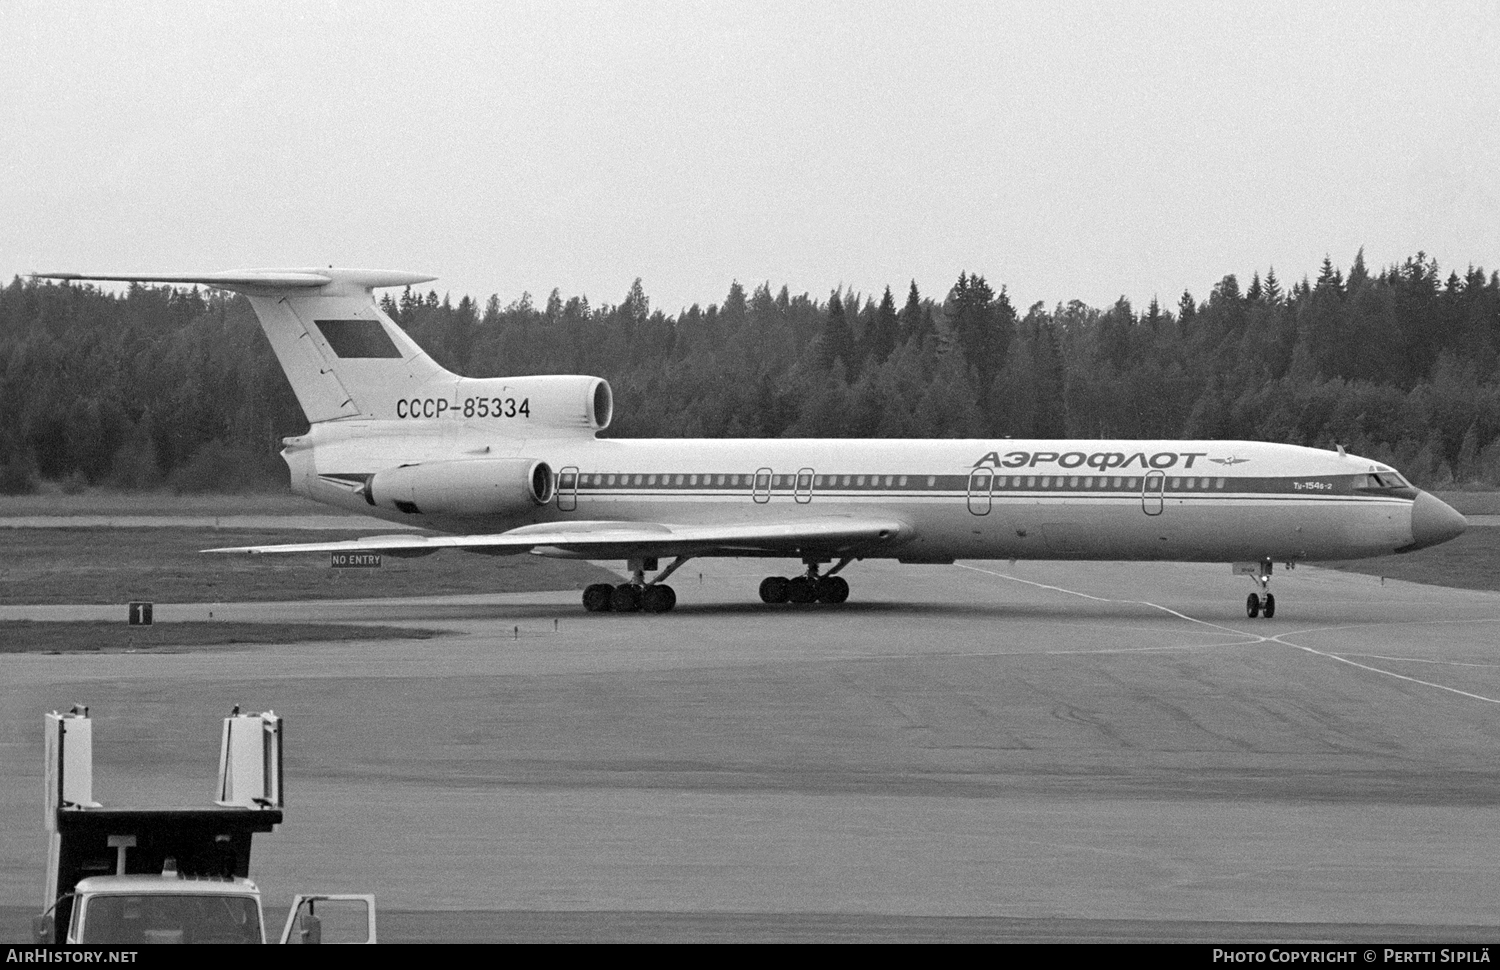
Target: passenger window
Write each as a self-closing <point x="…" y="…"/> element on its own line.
<point x="1131" y="483"/>
<point x="1073" y="482"/>
<point x="1219" y="483"/>
<point x="902" y="482"/>
<point x="1176" y="484"/>
<point x="1031" y="481"/>
<point x="1118" y="481"/>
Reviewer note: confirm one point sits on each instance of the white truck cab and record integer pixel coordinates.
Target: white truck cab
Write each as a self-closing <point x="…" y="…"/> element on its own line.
<point x="165" y="909"/>
<point x="174" y="875"/>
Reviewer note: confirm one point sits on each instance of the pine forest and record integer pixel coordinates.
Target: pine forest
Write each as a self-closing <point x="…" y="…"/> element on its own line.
<point x="154" y="387"/>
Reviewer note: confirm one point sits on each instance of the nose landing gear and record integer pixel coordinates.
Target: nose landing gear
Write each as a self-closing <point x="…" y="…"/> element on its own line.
<point x="1254" y="604"/>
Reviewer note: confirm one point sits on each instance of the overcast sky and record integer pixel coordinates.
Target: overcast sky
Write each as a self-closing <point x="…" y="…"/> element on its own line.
<point x="1080" y="151"/>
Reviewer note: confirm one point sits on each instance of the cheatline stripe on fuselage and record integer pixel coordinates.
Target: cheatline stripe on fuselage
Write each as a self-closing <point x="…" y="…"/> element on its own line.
<point x="916" y="486"/>
<point x="1228" y="498"/>
<point x="683" y="483"/>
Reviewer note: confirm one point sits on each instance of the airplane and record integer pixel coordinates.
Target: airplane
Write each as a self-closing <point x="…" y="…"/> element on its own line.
<point x="509" y="465"/>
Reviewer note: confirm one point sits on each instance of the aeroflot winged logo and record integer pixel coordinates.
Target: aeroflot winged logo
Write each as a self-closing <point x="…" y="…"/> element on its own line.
<point x="1099" y="460"/>
<point x="1231" y="460"/>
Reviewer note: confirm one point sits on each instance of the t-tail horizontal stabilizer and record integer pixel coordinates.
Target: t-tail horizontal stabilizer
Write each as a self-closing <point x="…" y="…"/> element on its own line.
<point x="343" y="356"/>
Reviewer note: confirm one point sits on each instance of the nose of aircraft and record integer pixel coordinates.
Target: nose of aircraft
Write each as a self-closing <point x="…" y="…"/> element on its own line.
<point x="1433" y="521"/>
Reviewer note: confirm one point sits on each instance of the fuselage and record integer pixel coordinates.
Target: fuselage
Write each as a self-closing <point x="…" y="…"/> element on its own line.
<point x="957" y="499"/>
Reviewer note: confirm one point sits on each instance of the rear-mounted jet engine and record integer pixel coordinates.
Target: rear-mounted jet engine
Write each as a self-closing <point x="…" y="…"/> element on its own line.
<point x="487" y="486"/>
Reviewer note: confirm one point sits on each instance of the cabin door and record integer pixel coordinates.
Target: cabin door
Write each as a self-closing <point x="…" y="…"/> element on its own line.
<point x="980" y="480"/>
<point x="1152" y="490"/>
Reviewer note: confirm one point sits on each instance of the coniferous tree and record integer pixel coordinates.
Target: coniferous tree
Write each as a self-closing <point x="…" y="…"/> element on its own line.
<point x="884" y="329"/>
<point x="914" y="318"/>
<point x="837" y="339"/>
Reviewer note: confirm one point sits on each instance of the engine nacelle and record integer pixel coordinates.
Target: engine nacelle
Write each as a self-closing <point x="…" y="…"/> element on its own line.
<point x="478" y="486"/>
<point x="562" y="402"/>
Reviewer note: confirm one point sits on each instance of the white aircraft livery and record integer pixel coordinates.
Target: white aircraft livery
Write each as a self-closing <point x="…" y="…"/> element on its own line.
<point x="507" y="465"/>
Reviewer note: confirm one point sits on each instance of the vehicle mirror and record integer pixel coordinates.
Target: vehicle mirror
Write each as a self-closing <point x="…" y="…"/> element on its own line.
<point x="310" y="928"/>
<point x="41" y="928"/>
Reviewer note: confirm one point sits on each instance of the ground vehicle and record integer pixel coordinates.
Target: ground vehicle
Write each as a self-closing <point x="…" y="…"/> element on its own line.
<point x="173" y="875"/>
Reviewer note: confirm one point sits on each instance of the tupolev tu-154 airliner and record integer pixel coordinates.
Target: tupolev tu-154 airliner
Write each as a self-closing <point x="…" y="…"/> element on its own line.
<point x="507" y="465"/>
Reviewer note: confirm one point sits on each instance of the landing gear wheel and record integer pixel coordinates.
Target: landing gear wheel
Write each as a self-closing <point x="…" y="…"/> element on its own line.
<point x="832" y="589"/>
<point x="625" y="598"/>
<point x="773" y="589"/>
<point x="1252" y="606"/>
<point x="596" y="598"/>
<point x="658" y="599"/>
<point x="800" y="589"/>
<point x="1269" y="610"/>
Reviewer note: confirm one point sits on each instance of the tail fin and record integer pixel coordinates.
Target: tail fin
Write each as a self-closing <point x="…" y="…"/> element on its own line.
<point x="344" y="357"/>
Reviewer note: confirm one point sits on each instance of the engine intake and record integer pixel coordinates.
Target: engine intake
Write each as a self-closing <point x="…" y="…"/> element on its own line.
<point x="478" y="486"/>
<point x="551" y="402"/>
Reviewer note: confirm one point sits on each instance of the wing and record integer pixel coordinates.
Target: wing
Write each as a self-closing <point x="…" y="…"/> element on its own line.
<point x="822" y="535"/>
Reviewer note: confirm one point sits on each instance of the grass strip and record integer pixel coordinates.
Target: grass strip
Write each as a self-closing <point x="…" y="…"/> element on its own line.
<point x="102" y="636"/>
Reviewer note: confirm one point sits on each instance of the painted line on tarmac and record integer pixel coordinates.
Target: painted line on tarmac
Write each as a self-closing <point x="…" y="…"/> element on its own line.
<point x="1421" y="660"/>
<point x="1106" y="599"/>
<point x="1388" y="673"/>
<point x="1257" y="638"/>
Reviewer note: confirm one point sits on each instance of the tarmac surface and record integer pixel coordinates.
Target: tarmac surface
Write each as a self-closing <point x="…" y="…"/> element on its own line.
<point x="1032" y="751"/>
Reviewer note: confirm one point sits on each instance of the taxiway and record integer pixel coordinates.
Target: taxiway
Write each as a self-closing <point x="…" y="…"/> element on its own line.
<point x="1047" y="746"/>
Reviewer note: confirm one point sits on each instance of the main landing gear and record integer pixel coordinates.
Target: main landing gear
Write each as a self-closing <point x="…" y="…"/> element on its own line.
<point x="1255" y="605"/>
<point x="808" y="588"/>
<point x="637" y="595"/>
